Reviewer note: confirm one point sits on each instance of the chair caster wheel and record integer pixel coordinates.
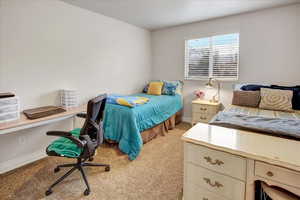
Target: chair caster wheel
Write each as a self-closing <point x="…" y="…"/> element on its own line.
<point x="87" y="192"/>
<point x="91" y="159"/>
<point x="107" y="169"/>
<point x="57" y="169"/>
<point x="48" y="192"/>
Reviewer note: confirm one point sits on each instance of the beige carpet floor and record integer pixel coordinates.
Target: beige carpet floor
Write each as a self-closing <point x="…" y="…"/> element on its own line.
<point x="156" y="174"/>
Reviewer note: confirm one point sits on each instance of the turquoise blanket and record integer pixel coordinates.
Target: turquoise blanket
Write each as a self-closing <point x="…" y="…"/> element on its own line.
<point x="124" y="125"/>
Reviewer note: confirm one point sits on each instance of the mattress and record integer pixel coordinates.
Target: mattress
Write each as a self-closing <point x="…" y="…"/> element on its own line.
<point x="124" y="125"/>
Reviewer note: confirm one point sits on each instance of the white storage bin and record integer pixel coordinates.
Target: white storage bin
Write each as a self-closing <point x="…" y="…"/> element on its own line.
<point x="9" y="109"/>
<point x="9" y="101"/>
<point x="6" y="117"/>
<point x="68" y="98"/>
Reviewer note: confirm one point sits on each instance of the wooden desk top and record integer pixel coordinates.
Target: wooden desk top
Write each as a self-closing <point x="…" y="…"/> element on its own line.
<point x="23" y="121"/>
<point x="270" y="149"/>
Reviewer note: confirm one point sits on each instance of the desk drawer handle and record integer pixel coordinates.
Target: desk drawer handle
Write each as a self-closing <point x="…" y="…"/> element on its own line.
<point x="270" y="174"/>
<point x="205" y="199"/>
<point x="203" y="109"/>
<point x="216" y="162"/>
<point x="203" y="118"/>
<point x="216" y="184"/>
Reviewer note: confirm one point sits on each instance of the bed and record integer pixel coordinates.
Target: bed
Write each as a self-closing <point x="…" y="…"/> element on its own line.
<point x="285" y="124"/>
<point x="131" y="127"/>
<point x="267" y="121"/>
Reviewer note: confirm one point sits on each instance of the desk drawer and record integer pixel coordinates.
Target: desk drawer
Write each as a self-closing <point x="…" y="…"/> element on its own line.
<point x="278" y="174"/>
<point x="222" y="185"/>
<point x="192" y="192"/>
<point x="218" y="161"/>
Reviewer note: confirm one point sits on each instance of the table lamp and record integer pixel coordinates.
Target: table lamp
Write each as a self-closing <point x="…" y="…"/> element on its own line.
<point x="210" y="84"/>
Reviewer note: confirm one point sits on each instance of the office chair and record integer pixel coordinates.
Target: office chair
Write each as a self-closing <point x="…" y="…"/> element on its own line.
<point x="80" y="144"/>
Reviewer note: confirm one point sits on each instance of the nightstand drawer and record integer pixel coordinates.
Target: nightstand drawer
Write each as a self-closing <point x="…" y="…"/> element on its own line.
<point x="218" y="161"/>
<point x="192" y="192"/>
<point x="278" y="174"/>
<point x="215" y="183"/>
<point x="202" y="108"/>
<point x="202" y="117"/>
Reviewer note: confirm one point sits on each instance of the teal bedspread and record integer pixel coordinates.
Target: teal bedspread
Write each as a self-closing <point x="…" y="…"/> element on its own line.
<point x="124" y="125"/>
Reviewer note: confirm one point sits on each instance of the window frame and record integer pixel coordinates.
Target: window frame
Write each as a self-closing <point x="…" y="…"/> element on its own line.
<point x="186" y="64"/>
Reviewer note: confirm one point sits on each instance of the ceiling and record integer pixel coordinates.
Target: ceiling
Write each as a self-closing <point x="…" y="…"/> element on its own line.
<point x="156" y="14"/>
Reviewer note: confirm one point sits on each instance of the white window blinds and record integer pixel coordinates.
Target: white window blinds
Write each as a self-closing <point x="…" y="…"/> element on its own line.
<point x="212" y="57"/>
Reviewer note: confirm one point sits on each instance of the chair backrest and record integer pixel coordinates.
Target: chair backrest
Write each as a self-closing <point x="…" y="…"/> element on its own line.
<point x="92" y="125"/>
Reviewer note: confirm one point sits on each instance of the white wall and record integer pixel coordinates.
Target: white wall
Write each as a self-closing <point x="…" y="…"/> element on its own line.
<point x="269" y="49"/>
<point x="47" y="45"/>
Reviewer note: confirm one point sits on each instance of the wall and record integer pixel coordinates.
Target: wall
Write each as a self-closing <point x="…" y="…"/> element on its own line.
<point x="269" y="49"/>
<point x="47" y="45"/>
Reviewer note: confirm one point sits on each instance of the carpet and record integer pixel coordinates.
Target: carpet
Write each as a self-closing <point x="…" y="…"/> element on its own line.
<point x="156" y="174"/>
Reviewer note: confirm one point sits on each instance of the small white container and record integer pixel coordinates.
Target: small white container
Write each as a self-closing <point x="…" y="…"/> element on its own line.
<point x="9" y="101"/>
<point x="7" y="117"/>
<point x="9" y="109"/>
<point x="69" y="98"/>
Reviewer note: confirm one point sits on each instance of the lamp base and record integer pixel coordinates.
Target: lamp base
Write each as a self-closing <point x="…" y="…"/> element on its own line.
<point x="213" y="101"/>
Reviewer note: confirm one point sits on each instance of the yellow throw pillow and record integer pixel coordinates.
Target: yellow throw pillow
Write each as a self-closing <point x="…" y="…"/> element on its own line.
<point x="155" y="88"/>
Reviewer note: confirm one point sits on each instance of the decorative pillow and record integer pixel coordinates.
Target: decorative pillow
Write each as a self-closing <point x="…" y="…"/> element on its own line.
<point x="178" y="84"/>
<point x="273" y="99"/>
<point x="246" y="98"/>
<point x="155" y="88"/>
<point x="145" y="90"/>
<point x="169" y="89"/>
<point x="253" y="87"/>
<point x="296" y="94"/>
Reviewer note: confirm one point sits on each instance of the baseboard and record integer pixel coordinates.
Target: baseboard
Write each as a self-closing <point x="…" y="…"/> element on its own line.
<point x="187" y="119"/>
<point x="20" y="161"/>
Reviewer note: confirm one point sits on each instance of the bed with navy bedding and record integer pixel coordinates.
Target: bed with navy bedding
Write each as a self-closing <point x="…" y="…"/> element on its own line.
<point x="124" y="124"/>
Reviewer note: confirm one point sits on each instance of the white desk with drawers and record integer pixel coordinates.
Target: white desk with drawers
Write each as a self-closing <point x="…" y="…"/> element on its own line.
<point x="223" y="164"/>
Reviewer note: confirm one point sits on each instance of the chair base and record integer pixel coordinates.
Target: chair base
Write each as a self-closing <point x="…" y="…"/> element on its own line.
<point x="76" y="166"/>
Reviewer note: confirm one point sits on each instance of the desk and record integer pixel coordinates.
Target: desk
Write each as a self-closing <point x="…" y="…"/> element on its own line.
<point x="223" y="163"/>
<point x="8" y="140"/>
<point x="24" y="123"/>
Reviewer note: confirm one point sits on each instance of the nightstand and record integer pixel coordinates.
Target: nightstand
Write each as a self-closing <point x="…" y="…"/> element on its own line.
<point x="204" y="110"/>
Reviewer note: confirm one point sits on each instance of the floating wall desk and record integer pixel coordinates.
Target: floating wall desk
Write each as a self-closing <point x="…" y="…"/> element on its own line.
<point x="24" y="123"/>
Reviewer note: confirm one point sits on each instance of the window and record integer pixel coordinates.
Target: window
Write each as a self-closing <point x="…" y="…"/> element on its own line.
<point x="212" y="57"/>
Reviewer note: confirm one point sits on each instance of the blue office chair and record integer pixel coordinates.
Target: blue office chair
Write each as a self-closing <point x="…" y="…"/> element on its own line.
<point x="80" y="144"/>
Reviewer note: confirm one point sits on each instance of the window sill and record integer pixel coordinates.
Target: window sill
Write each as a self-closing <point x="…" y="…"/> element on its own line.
<point x="206" y="79"/>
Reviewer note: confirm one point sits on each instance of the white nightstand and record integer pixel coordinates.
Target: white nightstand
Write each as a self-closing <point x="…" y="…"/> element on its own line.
<point x="204" y="110"/>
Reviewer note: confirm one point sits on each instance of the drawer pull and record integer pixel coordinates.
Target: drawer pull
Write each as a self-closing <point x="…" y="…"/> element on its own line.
<point x="217" y="162"/>
<point x="203" y="118"/>
<point x="270" y="174"/>
<point x="205" y="199"/>
<point x="203" y="109"/>
<point x="216" y="184"/>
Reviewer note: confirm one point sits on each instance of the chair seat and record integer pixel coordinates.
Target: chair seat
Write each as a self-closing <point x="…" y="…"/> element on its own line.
<point x="65" y="147"/>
